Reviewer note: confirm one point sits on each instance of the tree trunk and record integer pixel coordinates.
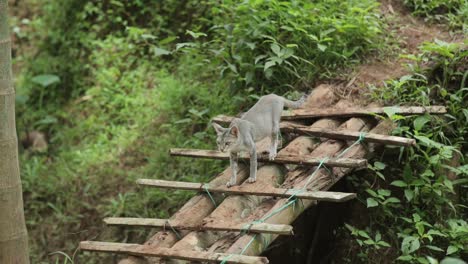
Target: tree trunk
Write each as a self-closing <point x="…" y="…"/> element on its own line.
<point x="13" y="234"/>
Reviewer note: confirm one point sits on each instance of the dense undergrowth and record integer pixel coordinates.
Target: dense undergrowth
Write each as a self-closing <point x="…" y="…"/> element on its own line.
<point x="416" y="197"/>
<point x="452" y="12"/>
<point x="114" y="84"/>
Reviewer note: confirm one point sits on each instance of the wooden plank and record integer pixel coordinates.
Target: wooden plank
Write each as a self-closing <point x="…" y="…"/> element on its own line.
<point x="333" y="134"/>
<point x="281" y="158"/>
<point x="250" y="190"/>
<point x="349" y="135"/>
<point x="400" y="110"/>
<point x="148" y="251"/>
<point x="166" y="224"/>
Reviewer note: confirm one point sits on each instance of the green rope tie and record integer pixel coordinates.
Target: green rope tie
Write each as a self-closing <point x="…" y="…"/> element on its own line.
<point x="242" y="252"/>
<point x="362" y="136"/>
<point x="173" y="230"/>
<point x="205" y="186"/>
<point x="322" y="161"/>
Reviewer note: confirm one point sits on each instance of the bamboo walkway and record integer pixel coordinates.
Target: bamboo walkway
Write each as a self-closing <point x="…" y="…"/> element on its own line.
<point x="270" y="200"/>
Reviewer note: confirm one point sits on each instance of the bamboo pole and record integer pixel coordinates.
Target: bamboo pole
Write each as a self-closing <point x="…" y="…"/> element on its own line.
<point x="143" y="250"/>
<point x="250" y="190"/>
<point x="400" y="110"/>
<point x="280" y="158"/>
<point x="13" y="233"/>
<point x="233" y="227"/>
<point x="286" y="126"/>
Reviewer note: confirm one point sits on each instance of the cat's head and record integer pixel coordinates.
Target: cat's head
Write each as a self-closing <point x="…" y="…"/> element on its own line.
<point x="226" y="137"/>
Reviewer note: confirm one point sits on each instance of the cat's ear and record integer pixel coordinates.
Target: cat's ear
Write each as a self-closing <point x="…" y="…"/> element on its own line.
<point x="219" y="129"/>
<point x="234" y="131"/>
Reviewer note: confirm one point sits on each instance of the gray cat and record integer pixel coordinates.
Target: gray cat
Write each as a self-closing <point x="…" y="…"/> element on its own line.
<point x="261" y="121"/>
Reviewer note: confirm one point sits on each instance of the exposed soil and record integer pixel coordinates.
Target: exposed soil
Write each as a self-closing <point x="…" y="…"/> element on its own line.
<point x="410" y="32"/>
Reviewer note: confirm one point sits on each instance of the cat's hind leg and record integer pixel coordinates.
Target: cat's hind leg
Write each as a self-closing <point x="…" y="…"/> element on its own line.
<point x="253" y="162"/>
<point x="233" y="158"/>
<point x="275" y="135"/>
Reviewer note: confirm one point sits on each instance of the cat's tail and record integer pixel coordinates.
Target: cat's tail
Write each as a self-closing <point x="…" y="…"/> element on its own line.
<point x="295" y="104"/>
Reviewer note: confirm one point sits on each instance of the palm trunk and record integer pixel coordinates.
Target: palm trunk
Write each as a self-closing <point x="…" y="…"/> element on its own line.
<point x="13" y="234"/>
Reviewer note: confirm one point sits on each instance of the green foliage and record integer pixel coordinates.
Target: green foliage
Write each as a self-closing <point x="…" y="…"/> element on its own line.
<point x="417" y="205"/>
<point x="271" y="45"/>
<point x="119" y="130"/>
<point x="66" y="32"/>
<point x="452" y="12"/>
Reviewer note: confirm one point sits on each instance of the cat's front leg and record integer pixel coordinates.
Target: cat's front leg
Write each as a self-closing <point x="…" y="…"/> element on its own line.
<point x="233" y="160"/>
<point x="253" y="164"/>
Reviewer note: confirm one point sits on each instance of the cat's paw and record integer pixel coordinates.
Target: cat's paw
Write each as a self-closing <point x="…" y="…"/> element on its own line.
<point x="230" y="184"/>
<point x="251" y="180"/>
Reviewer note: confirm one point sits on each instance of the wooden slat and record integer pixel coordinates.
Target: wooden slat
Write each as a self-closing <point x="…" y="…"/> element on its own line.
<point x="148" y="251"/>
<point x="349" y="135"/>
<point x="250" y="190"/>
<point x="165" y="223"/>
<point x="321" y="113"/>
<point x="333" y="134"/>
<point x="282" y="159"/>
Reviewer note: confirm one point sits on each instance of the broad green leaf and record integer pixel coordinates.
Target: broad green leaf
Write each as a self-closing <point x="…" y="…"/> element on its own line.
<point x="409" y="194"/>
<point x="392" y="200"/>
<point x="260" y="57"/>
<point x="384" y="192"/>
<point x="47" y="120"/>
<point x="167" y="40"/>
<point x="435" y="248"/>
<point x="432" y="260"/>
<point x="409" y="245"/>
<point x="159" y="52"/>
<point x="148" y="36"/>
<point x="276" y="49"/>
<point x="363" y="234"/>
<point x="268" y="64"/>
<point x="45" y="79"/>
<point x="420" y="121"/>
<point x="405" y="258"/>
<point x="450" y="260"/>
<point x="378" y="236"/>
<point x="428" y="142"/>
<point x="196" y="35"/>
<point x="371" y="202"/>
<point x="379" y="165"/>
<point x="185" y="44"/>
<point x="451" y="250"/>
<point x="416" y="217"/>
<point x="321" y="47"/>
<point x="399" y="183"/>
<point x="422" y="260"/>
<point x="420" y="228"/>
<point x="383" y="243"/>
<point x="390" y="111"/>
